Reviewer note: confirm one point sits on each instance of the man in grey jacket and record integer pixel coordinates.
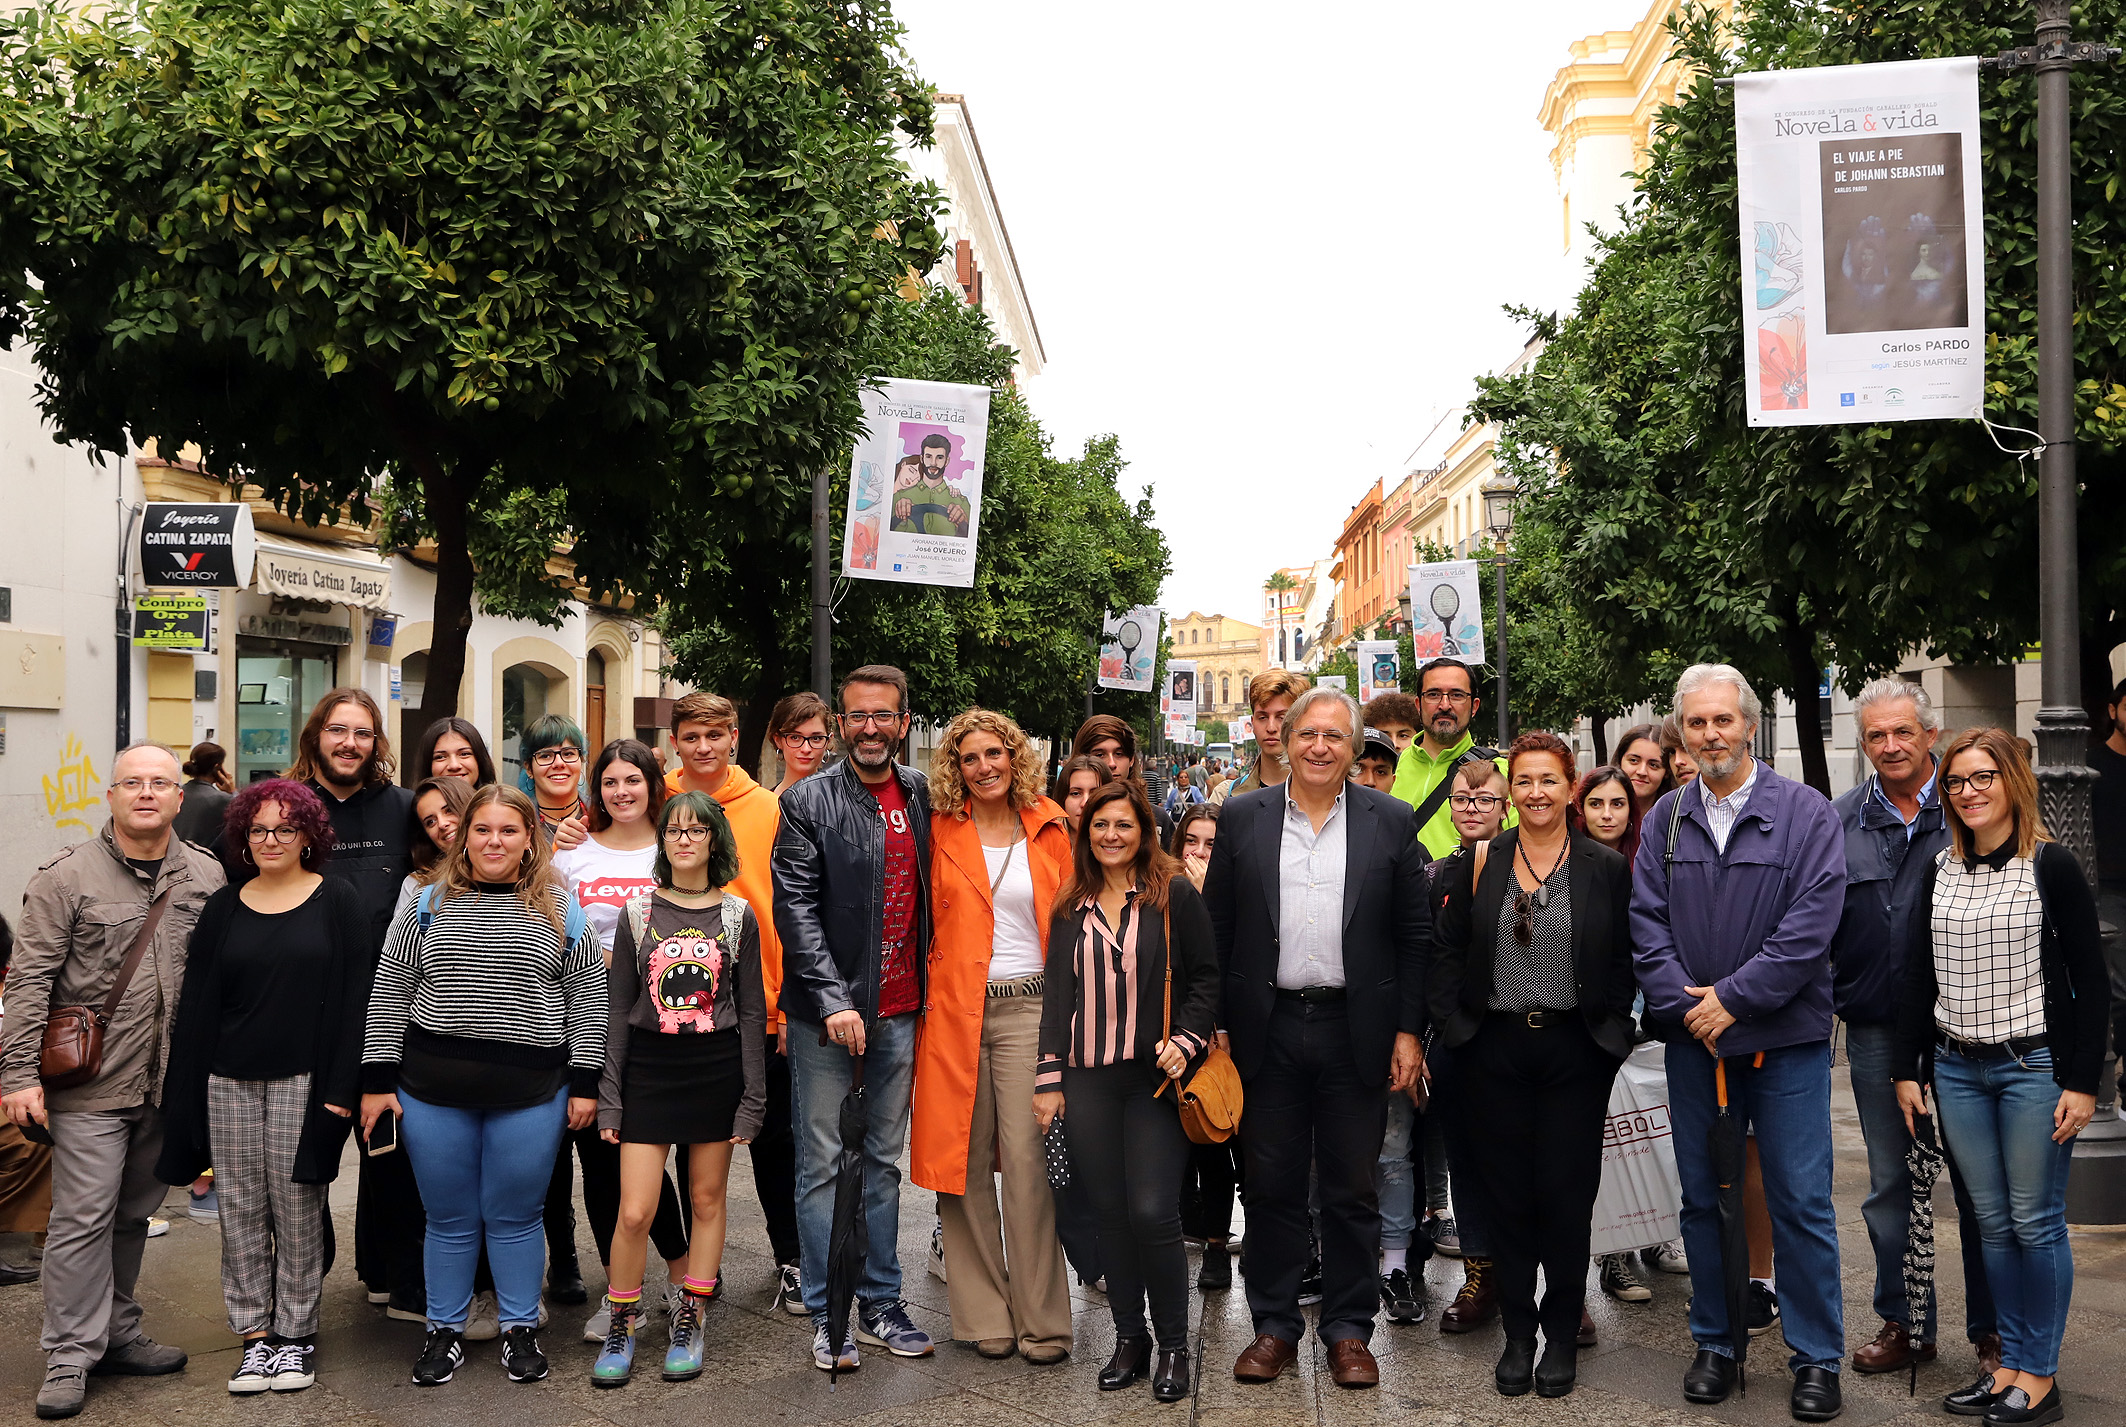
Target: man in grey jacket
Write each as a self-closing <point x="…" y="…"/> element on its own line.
<point x="81" y="914"/>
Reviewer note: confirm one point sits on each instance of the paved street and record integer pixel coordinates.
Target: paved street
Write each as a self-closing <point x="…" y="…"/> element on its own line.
<point x="759" y="1371"/>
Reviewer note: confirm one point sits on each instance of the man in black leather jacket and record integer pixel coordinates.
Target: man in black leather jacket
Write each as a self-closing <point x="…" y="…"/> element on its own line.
<point x="852" y="907"/>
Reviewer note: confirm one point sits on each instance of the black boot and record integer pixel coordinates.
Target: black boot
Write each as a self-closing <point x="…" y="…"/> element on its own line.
<point x="1554" y="1375"/>
<point x="1132" y="1356"/>
<point x="1170" y="1378"/>
<point x="1515" y="1373"/>
<point x="1217" y="1272"/>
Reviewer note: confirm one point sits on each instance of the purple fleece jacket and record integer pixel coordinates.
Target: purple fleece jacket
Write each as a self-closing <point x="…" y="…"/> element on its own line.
<point x="1755" y="923"/>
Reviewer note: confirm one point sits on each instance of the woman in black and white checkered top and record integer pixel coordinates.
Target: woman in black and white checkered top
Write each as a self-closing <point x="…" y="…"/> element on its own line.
<point x="2006" y="995"/>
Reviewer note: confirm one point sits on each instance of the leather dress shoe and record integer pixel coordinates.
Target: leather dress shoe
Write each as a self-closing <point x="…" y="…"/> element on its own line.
<point x="1170" y="1378"/>
<point x="1586" y="1336"/>
<point x="12" y="1274"/>
<point x="1892" y="1350"/>
<point x="1973" y="1401"/>
<point x="1265" y="1358"/>
<point x="996" y="1347"/>
<point x="1515" y="1373"/>
<point x="1709" y="1378"/>
<point x="1988" y="1349"/>
<point x="1815" y="1397"/>
<point x="1476" y="1304"/>
<point x="1351" y="1364"/>
<point x="1132" y="1356"/>
<point x="1555" y="1375"/>
<point x="2015" y="1409"/>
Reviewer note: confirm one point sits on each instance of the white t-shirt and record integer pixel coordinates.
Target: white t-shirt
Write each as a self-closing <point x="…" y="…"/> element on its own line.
<point x="603" y="878"/>
<point x="1015" y="950"/>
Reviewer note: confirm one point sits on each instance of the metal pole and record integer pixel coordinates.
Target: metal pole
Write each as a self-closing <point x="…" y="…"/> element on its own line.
<point x="822" y="590"/>
<point x="2065" y="779"/>
<point x="1499" y="566"/>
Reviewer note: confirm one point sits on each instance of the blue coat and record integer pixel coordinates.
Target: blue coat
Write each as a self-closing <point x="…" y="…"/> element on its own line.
<point x="1754" y="923"/>
<point x="1884" y="871"/>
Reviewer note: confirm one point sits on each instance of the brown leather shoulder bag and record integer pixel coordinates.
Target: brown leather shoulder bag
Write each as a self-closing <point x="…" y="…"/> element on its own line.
<point x="73" y="1035"/>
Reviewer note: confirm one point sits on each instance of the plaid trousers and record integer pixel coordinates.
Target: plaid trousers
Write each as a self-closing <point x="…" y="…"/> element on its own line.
<point x="272" y="1229"/>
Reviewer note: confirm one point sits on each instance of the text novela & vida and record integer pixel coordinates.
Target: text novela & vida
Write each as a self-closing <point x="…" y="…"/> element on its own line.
<point x="1816" y="124"/>
<point x="944" y="415"/>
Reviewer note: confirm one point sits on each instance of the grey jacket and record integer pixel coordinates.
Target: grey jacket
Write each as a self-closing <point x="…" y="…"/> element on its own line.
<point x="80" y="914"/>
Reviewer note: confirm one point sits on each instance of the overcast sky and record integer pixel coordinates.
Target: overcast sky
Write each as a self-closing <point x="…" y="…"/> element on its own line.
<point x="1267" y="245"/>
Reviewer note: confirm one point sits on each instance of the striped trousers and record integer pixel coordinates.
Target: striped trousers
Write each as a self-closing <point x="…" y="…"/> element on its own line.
<point x="272" y="1229"/>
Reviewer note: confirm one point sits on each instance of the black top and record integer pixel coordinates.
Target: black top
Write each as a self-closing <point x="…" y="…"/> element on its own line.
<point x="273" y="969"/>
<point x="2109" y="805"/>
<point x="199" y="821"/>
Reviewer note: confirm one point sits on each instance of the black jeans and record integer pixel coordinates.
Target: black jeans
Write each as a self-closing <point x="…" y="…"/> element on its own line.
<point x="1306" y="1105"/>
<point x="774" y="1152"/>
<point x="1542" y="1097"/>
<point x="1129" y="1151"/>
<point x="1448" y="1069"/>
<point x="1214" y="1178"/>
<point x="601" y="1198"/>
<point x="390" y="1228"/>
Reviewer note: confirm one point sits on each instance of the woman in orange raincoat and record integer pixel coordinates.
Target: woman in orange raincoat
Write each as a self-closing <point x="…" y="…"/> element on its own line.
<point x="999" y="851"/>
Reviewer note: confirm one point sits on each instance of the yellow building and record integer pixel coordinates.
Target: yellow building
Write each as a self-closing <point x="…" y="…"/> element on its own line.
<point x="1228" y="653"/>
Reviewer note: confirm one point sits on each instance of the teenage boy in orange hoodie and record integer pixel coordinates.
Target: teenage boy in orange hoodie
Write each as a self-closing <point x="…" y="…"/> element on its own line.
<point x="705" y="730"/>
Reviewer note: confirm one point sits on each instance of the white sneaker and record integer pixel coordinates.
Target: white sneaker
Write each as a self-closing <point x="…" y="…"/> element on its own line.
<point x="937" y="1251"/>
<point x="254" y="1371"/>
<point x="157" y="1227"/>
<point x="296" y="1367"/>
<point x="484" y="1323"/>
<point x="1668" y="1257"/>
<point x="789" y="1291"/>
<point x="599" y="1324"/>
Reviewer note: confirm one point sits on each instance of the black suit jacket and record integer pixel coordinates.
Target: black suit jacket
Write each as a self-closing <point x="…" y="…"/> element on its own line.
<point x="1387" y="928"/>
<point x="1465" y="942"/>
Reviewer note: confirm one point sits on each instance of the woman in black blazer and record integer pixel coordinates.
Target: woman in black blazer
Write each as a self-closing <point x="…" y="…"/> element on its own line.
<point x="1531" y="985"/>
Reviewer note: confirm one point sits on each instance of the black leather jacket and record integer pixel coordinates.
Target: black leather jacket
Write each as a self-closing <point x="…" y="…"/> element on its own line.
<point x="830" y="891"/>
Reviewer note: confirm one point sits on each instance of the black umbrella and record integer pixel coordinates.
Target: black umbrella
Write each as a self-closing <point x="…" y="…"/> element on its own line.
<point x="1730" y="1155"/>
<point x="850" y="1240"/>
<point x="1923" y="1161"/>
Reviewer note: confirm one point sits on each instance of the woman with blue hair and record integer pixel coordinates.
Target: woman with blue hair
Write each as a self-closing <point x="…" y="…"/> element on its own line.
<point x="555" y="756"/>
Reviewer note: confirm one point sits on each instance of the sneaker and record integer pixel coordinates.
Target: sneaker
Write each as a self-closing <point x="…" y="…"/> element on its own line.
<point x="1216" y="1275"/>
<point x="1764" y="1309"/>
<point x="1402" y="1296"/>
<point x="937" y="1251"/>
<point x="65" y="1388"/>
<point x="1621" y="1280"/>
<point x="789" y="1291"/>
<point x="1310" y="1281"/>
<point x="206" y="1208"/>
<point x="1667" y="1258"/>
<point x="823" y="1358"/>
<point x="157" y="1226"/>
<point x="888" y="1326"/>
<point x="521" y="1357"/>
<point x="682" y="1360"/>
<point x="599" y="1324"/>
<point x="254" y="1371"/>
<point x="441" y="1356"/>
<point x="484" y="1323"/>
<point x="673" y="1296"/>
<point x="407" y="1307"/>
<point x="1445" y="1235"/>
<point x="297" y="1366"/>
<point x="616" y="1355"/>
<point x="377" y="1297"/>
<point x="142" y="1357"/>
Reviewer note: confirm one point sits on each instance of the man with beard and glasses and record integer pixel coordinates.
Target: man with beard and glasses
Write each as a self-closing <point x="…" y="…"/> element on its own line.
<point x="851" y="901"/>
<point x="1736" y="898"/>
<point x="344" y="756"/>
<point x="1447" y="703"/>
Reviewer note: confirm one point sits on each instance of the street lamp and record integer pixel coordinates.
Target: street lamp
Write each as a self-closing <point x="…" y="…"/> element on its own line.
<point x="1498" y="514"/>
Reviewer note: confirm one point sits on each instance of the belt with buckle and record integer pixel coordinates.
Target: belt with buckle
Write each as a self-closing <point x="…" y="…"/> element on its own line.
<point x="2014" y="1049"/>
<point x="1024" y="986"/>
<point x="1310" y="993"/>
<point x="1538" y="1020"/>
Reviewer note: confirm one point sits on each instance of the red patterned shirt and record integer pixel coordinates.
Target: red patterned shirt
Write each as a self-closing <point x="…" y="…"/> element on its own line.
<point x="898" y="989"/>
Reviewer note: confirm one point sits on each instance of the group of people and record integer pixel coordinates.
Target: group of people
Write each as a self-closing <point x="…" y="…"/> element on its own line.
<point x="1425" y="960"/>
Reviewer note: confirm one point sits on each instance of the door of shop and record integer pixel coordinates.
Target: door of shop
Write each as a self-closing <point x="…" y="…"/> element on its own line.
<point x="277" y="682"/>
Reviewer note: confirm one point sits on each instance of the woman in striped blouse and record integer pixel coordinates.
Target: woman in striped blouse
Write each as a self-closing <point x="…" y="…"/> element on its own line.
<point x="2005" y="991"/>
<point x="1106" y="1051"/>
<point x="486" y="1033"/>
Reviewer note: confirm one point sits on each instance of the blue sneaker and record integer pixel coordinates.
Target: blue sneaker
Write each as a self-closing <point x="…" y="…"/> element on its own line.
<point x="888" y="1326"/>
<point x="616" y="1357"/>
<point x="682" y="1361"/>
<point x="823" y="1356"/>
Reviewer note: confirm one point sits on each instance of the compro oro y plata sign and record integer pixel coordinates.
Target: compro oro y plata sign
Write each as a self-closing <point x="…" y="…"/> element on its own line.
<point x="310" y="572"/>
<point x="176" y="621"/>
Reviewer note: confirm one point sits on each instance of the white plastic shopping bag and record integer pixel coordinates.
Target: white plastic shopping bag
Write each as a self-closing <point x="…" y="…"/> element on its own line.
<point x="1641" y="1197"/>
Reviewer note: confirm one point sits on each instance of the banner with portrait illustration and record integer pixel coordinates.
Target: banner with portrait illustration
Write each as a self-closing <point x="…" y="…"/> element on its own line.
<point x="1446" y="613"/>
<point x="1181" y="689"/>
<point x="915" y="483"/>
<point x="1129" y="647"/>
<point x="1380" y="668"/>
<point x="1863" y="234"/>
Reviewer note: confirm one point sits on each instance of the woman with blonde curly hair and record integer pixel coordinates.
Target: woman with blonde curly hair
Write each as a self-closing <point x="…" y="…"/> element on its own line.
<point x="998" y="853"/>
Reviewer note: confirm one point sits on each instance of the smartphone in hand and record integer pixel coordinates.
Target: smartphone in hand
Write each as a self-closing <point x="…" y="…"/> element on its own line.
<point x="384" y="1134"/>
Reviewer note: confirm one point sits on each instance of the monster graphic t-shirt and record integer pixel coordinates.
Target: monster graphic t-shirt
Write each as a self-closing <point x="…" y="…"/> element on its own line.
<point x="691" y="976"/>
<point x="602" y="879"/>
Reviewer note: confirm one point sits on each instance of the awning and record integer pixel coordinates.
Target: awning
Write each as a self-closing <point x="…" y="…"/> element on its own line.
<point x="311" y="570"/>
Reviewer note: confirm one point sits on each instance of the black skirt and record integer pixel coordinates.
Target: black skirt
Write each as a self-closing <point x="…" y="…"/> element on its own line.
<point x="680" y="1089"/>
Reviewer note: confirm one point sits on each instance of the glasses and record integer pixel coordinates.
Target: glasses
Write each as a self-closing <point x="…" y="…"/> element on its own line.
<point x="686" y="834"/>
<point x="1524" y="918"/>
<point x="1445" y="696"/>
<point x="566" y="756"/>
<point x="1335" y="738"/>
<point x="131" y="786"/>
<point x="1977" y="782"/>
<point x="359" y="735"/>
<point x="1475" y="802"/>
<point x="806" y="740"/>
<point x="283" y="834"/>
<point x="885" y="719"/>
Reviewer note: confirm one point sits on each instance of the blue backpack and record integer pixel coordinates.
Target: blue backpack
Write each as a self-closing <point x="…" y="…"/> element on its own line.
<point x="574" y="921"/>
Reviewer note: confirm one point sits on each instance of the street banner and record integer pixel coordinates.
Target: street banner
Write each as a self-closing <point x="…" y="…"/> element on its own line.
<point x="1446" y="612"/>
<point x="1380" y="668"/>
<point x="1129" y="645"/>
<point x="1181" y="690"/>
<point x="915" y="484"/>
<point x="1864" y="298"/>
<point x="1332" y="681"/>
<point x="1242" y="731"/>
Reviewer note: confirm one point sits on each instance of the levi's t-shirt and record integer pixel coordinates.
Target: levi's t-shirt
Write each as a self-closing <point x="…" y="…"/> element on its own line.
<point x="603" y="879"/>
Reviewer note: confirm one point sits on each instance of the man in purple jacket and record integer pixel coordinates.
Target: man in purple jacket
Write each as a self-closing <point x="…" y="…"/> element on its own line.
<point x="1736" y="896"/>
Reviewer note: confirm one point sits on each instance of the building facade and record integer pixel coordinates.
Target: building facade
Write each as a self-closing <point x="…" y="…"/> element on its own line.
<point x="1228" y="653"/>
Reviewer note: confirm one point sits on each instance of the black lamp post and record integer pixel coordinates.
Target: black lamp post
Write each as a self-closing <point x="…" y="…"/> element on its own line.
<point x="1498" y="515"/>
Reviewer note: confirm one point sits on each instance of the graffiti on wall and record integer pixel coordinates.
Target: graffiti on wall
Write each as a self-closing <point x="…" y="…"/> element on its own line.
<point x="73" y="787"/>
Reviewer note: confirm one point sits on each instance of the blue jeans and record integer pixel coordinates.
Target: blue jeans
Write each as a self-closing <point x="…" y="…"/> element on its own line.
<point x="1887" y="1210"/>
<point x="1997" y="1115"/>
<point x="1786" y="1103"/>
<point x="484" y="1172"/>
<point x="819" y="1078"/>
<point x="1394" y="1178"/>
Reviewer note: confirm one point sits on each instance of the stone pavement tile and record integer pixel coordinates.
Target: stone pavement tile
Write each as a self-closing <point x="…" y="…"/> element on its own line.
<point x="882" y="1383"/>
<point x="1656" y="1379"/>
<point x="964" y="1409"/>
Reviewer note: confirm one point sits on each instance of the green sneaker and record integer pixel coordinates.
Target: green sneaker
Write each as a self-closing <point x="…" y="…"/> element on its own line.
<point x="682" y="1361"/>
<point x="616" y="1358"/>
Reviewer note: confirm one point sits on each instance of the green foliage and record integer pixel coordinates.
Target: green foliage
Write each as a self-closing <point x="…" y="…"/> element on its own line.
<point x="1660" y="528"/>
<point x="1217" y="730"/>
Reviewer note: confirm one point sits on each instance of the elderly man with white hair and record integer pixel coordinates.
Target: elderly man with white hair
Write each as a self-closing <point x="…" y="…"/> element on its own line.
<point x="1736" y="896"/>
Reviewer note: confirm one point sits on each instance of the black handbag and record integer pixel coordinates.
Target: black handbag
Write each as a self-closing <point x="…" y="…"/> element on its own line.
<point x="1055" y="1153"/>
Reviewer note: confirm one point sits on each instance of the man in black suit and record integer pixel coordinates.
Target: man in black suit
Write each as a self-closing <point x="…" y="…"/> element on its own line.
<point x="1316" y="891"/>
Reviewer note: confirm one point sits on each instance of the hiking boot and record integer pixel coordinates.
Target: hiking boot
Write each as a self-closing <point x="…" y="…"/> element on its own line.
<point x="1476" y="1304"/>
